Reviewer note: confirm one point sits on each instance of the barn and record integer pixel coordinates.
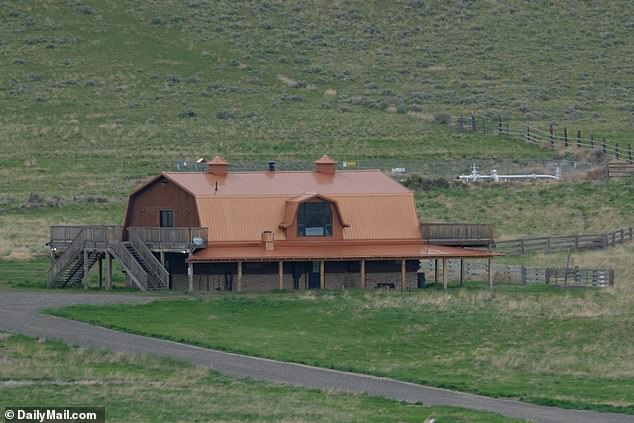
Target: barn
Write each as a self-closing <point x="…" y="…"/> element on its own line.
<point x="234" y="231"/>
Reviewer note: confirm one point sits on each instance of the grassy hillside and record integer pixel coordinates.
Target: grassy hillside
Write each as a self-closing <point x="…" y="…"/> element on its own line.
<point x="122" y="89"/>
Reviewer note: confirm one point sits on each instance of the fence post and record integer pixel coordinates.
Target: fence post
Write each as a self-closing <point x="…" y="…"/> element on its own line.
<point x="523" y="274"/>
<point x="616" y="147"/>
<point x="461" y="122"/>
<point x="611" y="277"/>
<point x="499" y="124"/>
<point x="484" y="126"/>
<point x="592" y="141"/>
<point x="578" y="138"/>
<point x="552" y="138"/>
<point x="605" y="147"/>
<point x="565" y="137"/>
<point x="528" y="133"/>
<point x="522" y="246"/>
<point x="473" y="122"/>
<point x="548" y="245"/>
<point x="629" y="153"/>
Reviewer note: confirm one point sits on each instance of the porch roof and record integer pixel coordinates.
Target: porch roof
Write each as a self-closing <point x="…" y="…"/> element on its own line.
<point x="334" y="251"/>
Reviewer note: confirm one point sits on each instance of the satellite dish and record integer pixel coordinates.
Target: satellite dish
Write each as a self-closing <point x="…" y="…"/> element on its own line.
<point x="198" y="241"/>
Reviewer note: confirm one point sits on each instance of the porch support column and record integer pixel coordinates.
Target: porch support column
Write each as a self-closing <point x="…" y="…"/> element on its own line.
<point x="108" y="270"/>
<point x="163" y="258"/>
<point x="86" y="269"/>
<point x="322" y="274"/>
<point x="461" y="271"/>
<point x="190" y="276"/>
<point x="490" y="262"/>
<point x="403" y="262"/>
<point x="362" y="282"/>
<point x="100" y="271"/>
<point x="280" y="272"/>
<point x="435" y="271"/>
<point x="445" y="273"/>
<point x="239" y="276"/>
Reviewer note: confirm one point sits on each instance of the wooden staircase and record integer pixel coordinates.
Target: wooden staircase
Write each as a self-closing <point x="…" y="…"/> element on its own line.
<point x="73" y="274"/>
<point x="90" y="243"/>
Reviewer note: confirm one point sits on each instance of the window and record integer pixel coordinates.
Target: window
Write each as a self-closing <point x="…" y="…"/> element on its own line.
<point x="314" y="219"/>
<point x="166" y="218"/>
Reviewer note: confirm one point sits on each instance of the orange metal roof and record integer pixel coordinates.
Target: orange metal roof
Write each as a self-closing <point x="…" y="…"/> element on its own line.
<point x="333" y="251"/>
<point x="368" y="217"/>
<point x="290" y="184"/>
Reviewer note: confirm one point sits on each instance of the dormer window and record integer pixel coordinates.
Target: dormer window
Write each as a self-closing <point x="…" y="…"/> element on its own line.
<point x="314" y="219"/>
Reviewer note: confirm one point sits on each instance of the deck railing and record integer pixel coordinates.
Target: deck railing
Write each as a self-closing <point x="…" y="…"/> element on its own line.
<point x="171" y="238"/>
<point x="463" y="234"/>
<point x="62" y="236"/>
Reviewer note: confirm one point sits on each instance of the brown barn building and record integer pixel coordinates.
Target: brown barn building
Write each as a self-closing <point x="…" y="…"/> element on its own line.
<point x="326" y="228"/>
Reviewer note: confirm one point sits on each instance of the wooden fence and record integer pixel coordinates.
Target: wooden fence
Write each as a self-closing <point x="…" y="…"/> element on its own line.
<point x="547" y="138"/>
<point x="620" y="169"/>
<point x="478" y="270"/>
<point x="551" y="244"/>
<point x="551" y="139"/>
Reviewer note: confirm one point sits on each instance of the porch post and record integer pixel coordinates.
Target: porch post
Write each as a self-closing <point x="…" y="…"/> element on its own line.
<point x="461" y="271"/>
<point x="108" y="270"/>
<point x="362" y="283"/>
<point x="402" y="273"/>
<point x="163" y="258"/>
<point x="445" y="273"/>
<point x="435" y="271"/>
<point x="280" y="272"/>
<point x="190" y="276"/>
<point x="322" y="274"/>
<point x="490" y="273"/>
<point x="86" y="269"/>
<point x="239" y="276"/>
<point x="100" y="271"/>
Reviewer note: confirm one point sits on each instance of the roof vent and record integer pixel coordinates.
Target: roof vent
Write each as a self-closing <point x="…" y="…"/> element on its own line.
<point x="325" y="165"/>
<point x="218" y="166"/>
<point x="271" y="164"/>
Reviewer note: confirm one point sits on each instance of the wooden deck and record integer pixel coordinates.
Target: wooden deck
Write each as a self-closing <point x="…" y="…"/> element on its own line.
<point x="458" y="234"/>
<point x="156" y="239"/>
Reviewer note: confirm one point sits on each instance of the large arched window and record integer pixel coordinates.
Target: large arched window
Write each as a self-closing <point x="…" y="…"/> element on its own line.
<point x="314" y="219"/>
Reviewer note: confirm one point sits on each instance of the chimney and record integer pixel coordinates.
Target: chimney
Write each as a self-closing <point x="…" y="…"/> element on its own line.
<point x="218" y="166"/>
<point x="271" y="164"/>
<point x="268" y="240"/>
<point x="325" y="165"/>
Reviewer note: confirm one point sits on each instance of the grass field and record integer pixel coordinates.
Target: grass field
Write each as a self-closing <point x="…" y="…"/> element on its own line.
<point x="539" y="344"/>
<point x="140" y="388"/>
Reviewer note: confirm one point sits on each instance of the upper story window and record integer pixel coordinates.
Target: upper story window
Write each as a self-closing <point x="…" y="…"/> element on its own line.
<point x="314" y="219"/>
<point x="166" y="218"/>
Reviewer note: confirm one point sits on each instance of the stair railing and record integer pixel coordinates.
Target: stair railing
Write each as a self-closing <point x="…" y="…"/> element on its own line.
<point x="150" y="259"/>
<point x="126" y="259"/>
<point x="70" y="254"/>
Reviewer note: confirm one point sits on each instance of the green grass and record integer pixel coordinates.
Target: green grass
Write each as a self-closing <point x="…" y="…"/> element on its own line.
<point x="540" y="344"/>
<point x="142" y="388"/>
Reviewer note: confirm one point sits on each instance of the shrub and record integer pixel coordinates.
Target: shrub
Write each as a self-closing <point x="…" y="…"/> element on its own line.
<point x="225" y="114"/>
<point x="442" y="118"/>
